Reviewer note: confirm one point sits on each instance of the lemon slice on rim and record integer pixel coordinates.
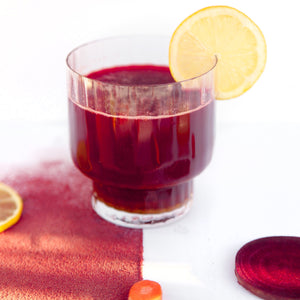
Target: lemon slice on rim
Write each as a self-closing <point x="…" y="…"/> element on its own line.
<point x="224" y="32"/>
<point x="11" y="207"/>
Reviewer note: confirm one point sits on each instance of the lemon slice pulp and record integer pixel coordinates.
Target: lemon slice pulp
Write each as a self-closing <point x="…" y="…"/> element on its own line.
<point x="11" y="207"/>
<point x="224" y="32"/>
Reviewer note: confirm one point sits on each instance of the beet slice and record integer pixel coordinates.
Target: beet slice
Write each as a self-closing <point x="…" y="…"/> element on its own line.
<point x="270" y="267"/>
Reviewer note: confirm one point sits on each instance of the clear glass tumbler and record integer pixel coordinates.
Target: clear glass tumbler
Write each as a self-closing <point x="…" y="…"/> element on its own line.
<point x="141" y="145"/>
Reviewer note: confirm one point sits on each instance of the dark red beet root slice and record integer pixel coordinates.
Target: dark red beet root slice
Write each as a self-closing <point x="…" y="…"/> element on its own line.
<point x="270" y="267"/>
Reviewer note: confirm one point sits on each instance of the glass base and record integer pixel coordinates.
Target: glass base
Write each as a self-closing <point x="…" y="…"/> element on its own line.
<point x="136" y="220"/>
<point x="142" y="208"/>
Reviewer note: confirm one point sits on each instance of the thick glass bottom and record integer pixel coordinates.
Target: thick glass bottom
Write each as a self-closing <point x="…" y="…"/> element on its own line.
<point x="134" y="220"/>
<point x="142" y="208"/>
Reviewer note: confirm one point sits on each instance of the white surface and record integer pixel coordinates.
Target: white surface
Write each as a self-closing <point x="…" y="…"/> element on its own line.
<point x="250" y="189"/>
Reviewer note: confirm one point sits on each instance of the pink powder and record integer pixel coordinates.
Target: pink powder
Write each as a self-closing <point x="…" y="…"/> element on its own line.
<point x="60" y="248"/>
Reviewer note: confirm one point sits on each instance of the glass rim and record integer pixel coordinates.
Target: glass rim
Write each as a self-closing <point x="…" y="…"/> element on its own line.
<point x="132" y="85"/>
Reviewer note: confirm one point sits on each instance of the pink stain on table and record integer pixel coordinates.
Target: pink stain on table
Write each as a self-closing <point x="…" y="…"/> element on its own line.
<point x="60" y="248"/>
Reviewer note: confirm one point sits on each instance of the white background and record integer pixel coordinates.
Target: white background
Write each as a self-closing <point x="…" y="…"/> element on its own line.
<point x="37" y="35"/>
<point x="251" y="188"/>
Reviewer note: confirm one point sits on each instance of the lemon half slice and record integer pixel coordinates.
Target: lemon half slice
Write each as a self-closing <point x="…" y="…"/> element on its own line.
<point x="11" y="207"/>
<point x="227" y="33"/>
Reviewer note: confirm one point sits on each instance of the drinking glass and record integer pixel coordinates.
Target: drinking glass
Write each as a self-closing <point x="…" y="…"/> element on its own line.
<point x="141" y="145"/>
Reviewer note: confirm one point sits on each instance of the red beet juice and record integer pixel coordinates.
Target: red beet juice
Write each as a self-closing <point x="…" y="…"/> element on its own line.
<point x="141" y="164"/>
